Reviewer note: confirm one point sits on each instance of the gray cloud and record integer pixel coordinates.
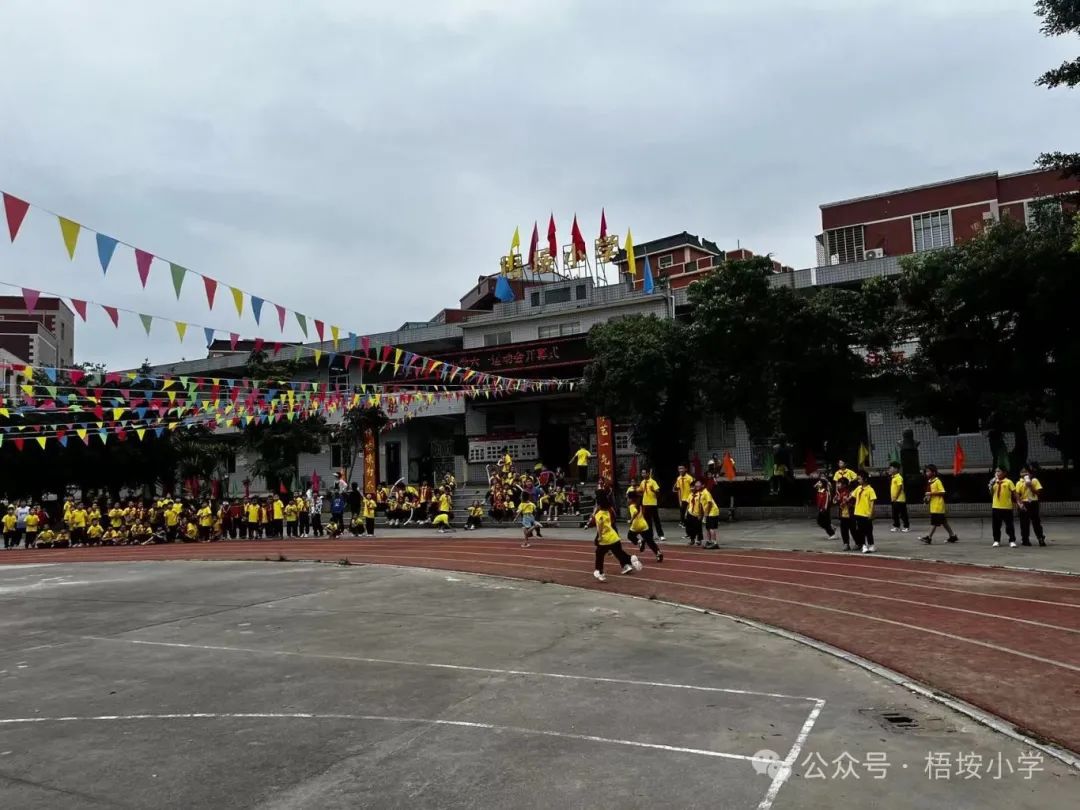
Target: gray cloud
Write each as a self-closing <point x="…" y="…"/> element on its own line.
<point x="364" y="162"/>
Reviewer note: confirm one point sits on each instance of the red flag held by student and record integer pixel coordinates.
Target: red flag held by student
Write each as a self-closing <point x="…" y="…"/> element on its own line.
<point x="958" y="459"/>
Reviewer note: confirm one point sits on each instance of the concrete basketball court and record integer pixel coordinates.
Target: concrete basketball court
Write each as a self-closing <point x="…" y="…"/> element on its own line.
<point x="282" y="685"/>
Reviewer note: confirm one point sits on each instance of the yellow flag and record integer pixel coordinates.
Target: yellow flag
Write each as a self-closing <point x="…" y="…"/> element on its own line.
<point x="631" y="263"/>
<point x="140" y="432"/>
<point x="70" y="232"/>
<point x="117" y="413"/>
<point x="335" y="333"/>
<point x="516" y="241"/>
<point x="318" y="356"/>
<point x="41" y="441"/>
<point x="181" y="330"/>
<point x="864" y="455"/>
<point x="81" y="433"/>
<point x="238" y="299"/>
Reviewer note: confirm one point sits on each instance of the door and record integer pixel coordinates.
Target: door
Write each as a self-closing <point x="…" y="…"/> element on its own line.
<point x="553" y="442"/>
<point x="393" y="462"/>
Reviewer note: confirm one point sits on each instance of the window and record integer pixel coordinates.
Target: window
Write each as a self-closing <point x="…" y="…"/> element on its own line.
<point x="933" y="230"/>
<point x="844" y="245"/>
<point x="496" y="338"/>
<point x="560" y="295"/>
<point x="664" y="262"/>
<point x="1041" y="212"/>
<point x="337" y="456"/>
<point x="580" y="292"/>
<point x="339" y="380"/>
<point x="559" y="330"/>
<point x="534" y="299"/>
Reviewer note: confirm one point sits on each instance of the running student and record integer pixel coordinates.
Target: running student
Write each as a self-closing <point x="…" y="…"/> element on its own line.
<point x="1028" y="492"/>
<point x="639" y="532"/>
<point x="845" y="504"/>
<point x="898" y="499"/>
<point x="1002" y="500"/>
<point x="864" y="497"/>
<point x="823" y="501"/>
<point x="649" y="490"/>
<point x="935" y="497"/>
<point x="527" y="511"/>
<point x="607" y="539"/>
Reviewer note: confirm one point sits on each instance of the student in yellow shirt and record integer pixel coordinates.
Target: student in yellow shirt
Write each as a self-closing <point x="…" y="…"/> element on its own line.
<point x="278" y="525"/>
<point x="77" y="523"/>
<point x="639" y="532"/>
<point x="10" y="522"/>
<point x="935" y="497"/>
<point x="1002" y="501"/>
<point x="898" y="499"/>
<point x="46" y="539"/>
<point x="712" y="516"/>
<point x="682" y="486"/>
<point x="507" y="462"/>
<point x="251" y="515"/>
<point x="33" y="523"/>
<point x="580" y="462"/>
<point x="649" y="503"/>
<point x="442" y="517"/>
<point x="1028" y="494"/>
<point x="205" y="517"/>
<point x="864" y="497"/>
<point x="527" y="512"/>
<point x="94" y="533"/>
<point x="607" y="540"/>
<point x="845" y="504"/>
<point x="475" y="519"/>
<point x="291" y="518"/>
<point x="191" y="532"/>
<point x="370" y="505"/>
<point x="843" y="471"/>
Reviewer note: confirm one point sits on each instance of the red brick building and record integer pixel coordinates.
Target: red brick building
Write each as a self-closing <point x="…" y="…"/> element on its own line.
<point x="44" y="337"/>
<point x="919" y="218"/>
<point x="681" y="259"/>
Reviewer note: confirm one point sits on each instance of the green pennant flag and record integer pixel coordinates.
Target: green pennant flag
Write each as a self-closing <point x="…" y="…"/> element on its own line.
<point x="146" y="320"/>
<point x="894" y="455"/>
<point x="1003" y="458"/>
<point x="178" y="274"/>
<point x="768" y="466"/>
<point x="302" y="320"/>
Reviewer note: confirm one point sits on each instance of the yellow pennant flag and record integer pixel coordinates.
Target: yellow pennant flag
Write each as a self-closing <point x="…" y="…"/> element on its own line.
<point x="631" y="262"/>
<point x="41" y="441"/>
<point x="70" y="231"/>
<point x="117" y="413"/>
<point x="318" y="356"/>
<point x="140" y="432"/>
<point x="335" y="333"/>
<point x="238" y="300"/>
<point x="181" y="330"/>
<point x="81" y="433"/>
<point x="516" y="241"/>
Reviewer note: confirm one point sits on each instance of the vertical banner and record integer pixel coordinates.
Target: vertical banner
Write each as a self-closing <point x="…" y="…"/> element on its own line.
<point x="371" y="462"/>
<point x="605" y="450"/>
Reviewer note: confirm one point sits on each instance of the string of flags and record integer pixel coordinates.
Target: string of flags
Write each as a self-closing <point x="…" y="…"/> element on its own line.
<point x="404" y="362"/>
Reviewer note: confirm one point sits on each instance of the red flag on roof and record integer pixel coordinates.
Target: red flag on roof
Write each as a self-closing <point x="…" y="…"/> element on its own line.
<point x="533" y="243"/>
<point x="603" y="224"/>
<point x="553" y="242"/>
<point x="579" y="248"/>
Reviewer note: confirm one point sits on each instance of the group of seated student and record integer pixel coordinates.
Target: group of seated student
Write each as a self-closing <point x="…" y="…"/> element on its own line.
<point x="506" y="488"/>
<point x="405" y="504"/>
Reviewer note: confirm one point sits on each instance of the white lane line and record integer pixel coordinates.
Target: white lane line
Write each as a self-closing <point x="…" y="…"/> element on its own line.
<point x="935" y="605"/>
<point x="676" y="749"/>
<point x="800" y="604"/>
<point x="783" y="773"/>
<point x="455" y="667"/>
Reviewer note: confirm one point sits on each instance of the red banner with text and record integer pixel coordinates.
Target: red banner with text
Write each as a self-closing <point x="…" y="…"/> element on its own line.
<point x="605" y="449"/>
<point x="371" y="463"/>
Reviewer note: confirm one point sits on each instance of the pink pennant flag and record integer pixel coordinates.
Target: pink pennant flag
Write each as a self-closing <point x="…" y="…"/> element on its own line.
<point x="258" y="345"/>
<point x="277" y="349"/>
<point x="16" y="211"/>
<point x="211" y="290"/>
<point x="366" y="343"/>
<point x="30" y="297"/>
<point x="76" y="376"/>
<point x="319" y="329"/>
<point x="280" y="315"/>
<point x="80" y="307"/>
<point x="114" y="314"/>
<point x="142" y="262"/>
<point x="233" y="340"/>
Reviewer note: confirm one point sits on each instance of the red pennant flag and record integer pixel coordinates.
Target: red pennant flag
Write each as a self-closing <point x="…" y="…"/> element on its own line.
<point x="16" y="211"/>
<point x="233" y="340"/>
<point x="19" y="444"/>
<point x="348" y="359"/>
<point x="603" y="224"/>
<point x="633" y="467"/>
<point x="211" y="290"/>
<point x="319" y="329"/>
<point x="533" y="244"/>
<point x="365" y="341"/>
<point x="142" y="262"/>
<point x="76" y="376"/>
<point x="729" y="466"/>
<point x="277" y="349"/>
<point x="579" y="250"/>
<point x="281" y="316"/>
<point x="258" y="345"/>
<point x="553" y="242"/>
<point x="114" y="314"/>
<point x="281" y="488"/>
<point x="695" y="465"/>
<point x="79" y="307"/>
<point x="30" y="298"/>
<point x="958" y="459"/>
<point x="811" y="463"/>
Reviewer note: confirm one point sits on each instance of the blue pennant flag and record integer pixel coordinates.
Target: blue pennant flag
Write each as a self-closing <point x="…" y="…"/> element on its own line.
<point x="62" y="440"/>
<point x="141" y="412"/>
<point x="209" y="335"/>
<point x="106" y="245"/>
<point x="50" y="373"/>
<point x="353" y="339"/>
<point x="256" y="308"/>
<point x="503" y="291"/>
<point x="648" y="285"/>
<point x="159" y="431"/>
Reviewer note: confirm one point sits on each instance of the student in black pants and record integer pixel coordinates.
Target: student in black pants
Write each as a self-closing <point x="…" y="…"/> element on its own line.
<point x="1028" y="493"/>
<point x="845" y="503"/>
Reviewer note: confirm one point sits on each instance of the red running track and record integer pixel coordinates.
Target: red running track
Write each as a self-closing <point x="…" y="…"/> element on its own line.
<point x="1005" y="641"/>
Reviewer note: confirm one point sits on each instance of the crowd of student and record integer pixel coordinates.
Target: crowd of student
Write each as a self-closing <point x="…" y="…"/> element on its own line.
<point x="851" y="497"/>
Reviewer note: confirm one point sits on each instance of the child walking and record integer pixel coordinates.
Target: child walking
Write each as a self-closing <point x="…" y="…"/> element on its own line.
<point x="935" y="497"/>
<point x="607" y="540"/>
<point x="865" y="497"/>
<point x="823" y="501"/>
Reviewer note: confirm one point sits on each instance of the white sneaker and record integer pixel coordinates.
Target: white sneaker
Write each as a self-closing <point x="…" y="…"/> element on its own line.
<point x="636" y="563"/>
<point x="995" y="544"/>
<point x="628" y="569"/>
<point x="1012" y="544"/>
<point x="905" y="531"/>
<point x="599" y="577"/>
<point x="866" y="549"/>
<point x="872" y="549"/>
<point x="661" y="539"/>
<point x="894" y="530"/>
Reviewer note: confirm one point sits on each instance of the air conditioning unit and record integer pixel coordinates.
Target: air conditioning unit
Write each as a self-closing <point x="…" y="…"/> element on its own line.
<point x="875" y="253"/>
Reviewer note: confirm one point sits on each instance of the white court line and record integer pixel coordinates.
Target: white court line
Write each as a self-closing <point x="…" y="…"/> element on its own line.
<point x="388" y="719"/>
<point x="456" y="667"/>
<point x="783" y="773"/>
<point x="801" y="604"/>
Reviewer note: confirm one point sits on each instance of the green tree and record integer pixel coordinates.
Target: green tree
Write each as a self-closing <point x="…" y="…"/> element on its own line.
<point x="641" y="372"/>
<point x="780" y="361"/>
<point x="1059" y="18"/>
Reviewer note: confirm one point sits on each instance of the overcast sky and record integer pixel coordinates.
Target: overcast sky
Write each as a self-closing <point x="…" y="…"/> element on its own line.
<point x="364" y="162"/>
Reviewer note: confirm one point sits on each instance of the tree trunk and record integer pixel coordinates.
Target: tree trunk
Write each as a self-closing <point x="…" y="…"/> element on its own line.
<point x="1019" y="455"/>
